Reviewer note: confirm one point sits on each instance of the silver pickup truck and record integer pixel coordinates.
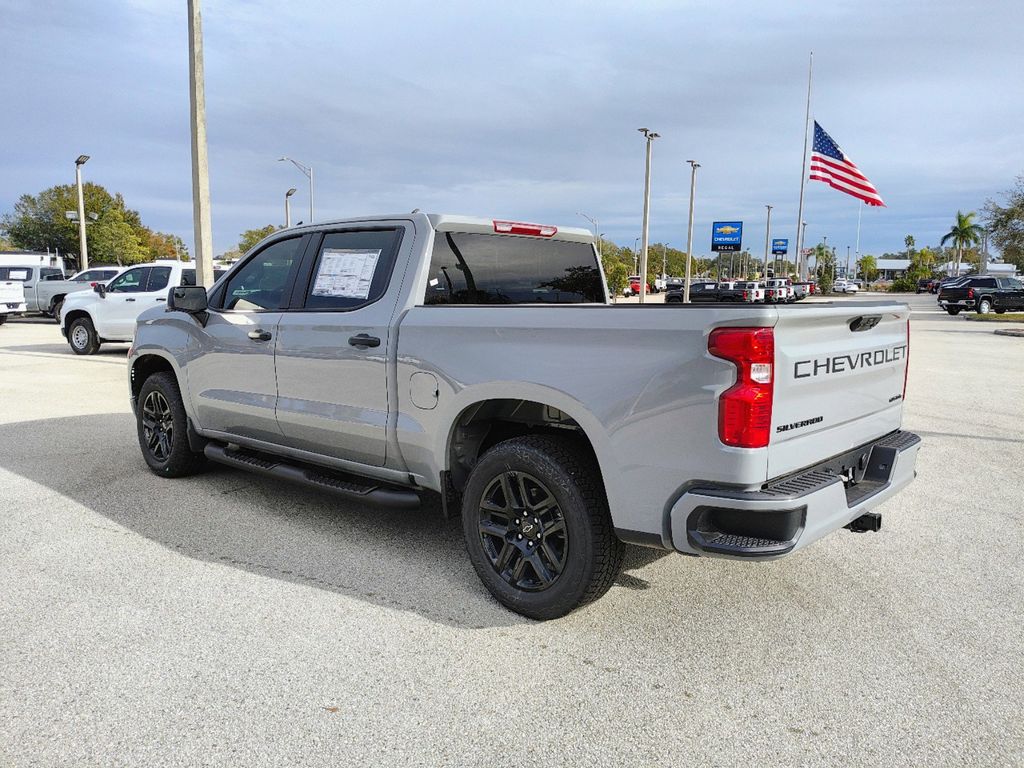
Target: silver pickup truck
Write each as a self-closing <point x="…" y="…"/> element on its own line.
<point x="395" y="359"/>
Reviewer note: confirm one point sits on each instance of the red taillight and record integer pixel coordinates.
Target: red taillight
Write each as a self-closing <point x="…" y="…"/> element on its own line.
<point x="745" y="409"/>
<point x="746" y="295"/>
<point x="522" y="228"/>
<point x="970" y="293"/>
<point x="906" y="369"/>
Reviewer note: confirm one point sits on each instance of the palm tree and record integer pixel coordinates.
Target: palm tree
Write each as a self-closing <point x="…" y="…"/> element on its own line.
<point x="963" y="234"/>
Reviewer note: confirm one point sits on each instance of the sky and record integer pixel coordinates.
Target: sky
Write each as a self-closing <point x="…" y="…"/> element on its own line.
<point x="525" y="111"/>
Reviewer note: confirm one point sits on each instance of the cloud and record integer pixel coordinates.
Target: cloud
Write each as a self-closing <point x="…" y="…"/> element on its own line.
<point x="525" y="110"/>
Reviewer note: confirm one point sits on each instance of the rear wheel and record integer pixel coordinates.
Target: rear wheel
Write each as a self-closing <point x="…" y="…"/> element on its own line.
<point x="537" y="526"/>
<point x="56" y="308"/>
<point x="163" y="428"/>
<point x="82" y="337"/>
<point x="953" y="310"/>
<point x="984" y="306"/>
<point x="1000" y="311"/>
<point x="3" y="318"/>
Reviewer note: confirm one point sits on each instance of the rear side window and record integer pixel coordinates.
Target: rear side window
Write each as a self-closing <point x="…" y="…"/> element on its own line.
<point x="984" y="282"/>
<point x="188" y="276"/>
<point x="48" y="273"/>
<point x="260" y="283"/>
<point x="16" y="273"/>
<point x="471" y="268"/>
<point x="159" y="277"/>
<point x="352" y="269"/>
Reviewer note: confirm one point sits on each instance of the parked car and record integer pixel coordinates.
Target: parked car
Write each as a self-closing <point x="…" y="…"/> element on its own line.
<point x="753" y="292"/>
<point x="367" y="358"/>
<point x="34" y="278"/>
<point x="983" y="294"/>
<point x="49" y="294"/>
<point x="806" y="288"/>
<point x="107" y="313"/>
<point x="700" y="290"/>
<point x="779" y="291"/>
<point x="845" y="286"/>
<point x="633" y="286"/>
<point x="12" y="298"/>
<point x="924" y="284"/>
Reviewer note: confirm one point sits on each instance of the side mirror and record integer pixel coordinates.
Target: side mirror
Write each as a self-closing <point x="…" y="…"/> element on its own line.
<point x="101" y="289"/>
<point x="187" y="298"/>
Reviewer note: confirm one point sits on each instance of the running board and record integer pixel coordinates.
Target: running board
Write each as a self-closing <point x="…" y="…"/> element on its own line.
<point x="355" y="489"/>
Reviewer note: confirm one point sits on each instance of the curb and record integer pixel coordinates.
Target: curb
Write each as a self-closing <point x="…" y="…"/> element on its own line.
<point x="1019" y="332"/>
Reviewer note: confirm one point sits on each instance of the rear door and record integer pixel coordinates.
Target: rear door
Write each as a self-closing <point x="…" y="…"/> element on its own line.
<point x="333" y="344"/>
<point x="839" y="380"/>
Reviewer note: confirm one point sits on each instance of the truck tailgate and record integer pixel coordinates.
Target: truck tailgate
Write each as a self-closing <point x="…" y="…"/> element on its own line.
<point x="839" y="379"/>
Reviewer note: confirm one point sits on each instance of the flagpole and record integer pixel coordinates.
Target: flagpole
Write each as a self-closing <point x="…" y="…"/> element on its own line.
<point x="803" y="176"/>
<point x="860" y="210"/>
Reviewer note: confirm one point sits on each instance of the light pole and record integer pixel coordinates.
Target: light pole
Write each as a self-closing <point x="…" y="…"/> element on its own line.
<point x="847" y="262"/>
<point x="804" y="275"/>
<point x="307" y="171"/>
<point x="664" y="261"/>
<point x="650" y="136"/>
<point x="202" y="227"/>
<point x="83" y="246"/>
<point x="288" y="207"/>
<point x="636" y="253"/>
<point x="596" y="235"/>
<point x="694" y="165"/>
<point x="767" y="238"/>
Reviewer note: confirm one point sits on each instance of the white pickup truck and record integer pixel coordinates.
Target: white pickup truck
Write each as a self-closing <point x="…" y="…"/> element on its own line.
<point x="108" y="312"/>
<point x="390" y="358"/>
<point x="12" y="298"/>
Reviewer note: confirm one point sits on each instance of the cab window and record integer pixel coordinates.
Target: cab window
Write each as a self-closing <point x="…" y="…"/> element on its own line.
<point x="260" y="283"/>
<point x="132" y="281"/>
<point x="158" y="278"/>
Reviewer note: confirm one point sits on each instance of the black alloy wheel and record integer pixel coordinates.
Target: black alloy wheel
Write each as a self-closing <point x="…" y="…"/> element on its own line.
<point x="157" y="425"/>
<point x="522" y="531"/>
<point x="537" y="525"/>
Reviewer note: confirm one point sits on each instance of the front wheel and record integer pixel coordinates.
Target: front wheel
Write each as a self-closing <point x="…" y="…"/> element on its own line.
<point x="537" y="526"/>
<point x="82" y="337"/>
<point x="163" y="428"/>
<point x="3" y="318"/>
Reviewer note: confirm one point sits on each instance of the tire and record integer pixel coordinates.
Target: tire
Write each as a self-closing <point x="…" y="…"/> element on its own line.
<point x="56" y="308"/>
<point x="563" y="553"/>
<point x="82" y="337"/>
<point x="984" y="306"/>
<point x="1000" y="311"/>
<point x="3" y="318"/>
<point x="162" y="427"/>
<point x="953" y="310"/>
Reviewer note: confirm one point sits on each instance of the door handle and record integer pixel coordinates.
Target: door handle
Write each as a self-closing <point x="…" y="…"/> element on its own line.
<point x="129" y="299"/>
<point x="363" y="341"/>
<point x="259" y="335"/>
<point x="160" y="298"/>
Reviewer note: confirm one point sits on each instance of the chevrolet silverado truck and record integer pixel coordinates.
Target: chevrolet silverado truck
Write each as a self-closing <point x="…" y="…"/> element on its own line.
<point x="47" y="295"/>
<point x="12" y="299"/>
<point x="983" y="294"/>
<point x="478" y="363"/>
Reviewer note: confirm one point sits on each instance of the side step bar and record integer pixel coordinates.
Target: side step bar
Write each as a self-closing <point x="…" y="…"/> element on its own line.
<point x="355" y="489"/>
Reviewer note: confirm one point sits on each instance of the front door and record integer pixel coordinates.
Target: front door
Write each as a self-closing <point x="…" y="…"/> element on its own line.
<point x="232" y="380"/>
<point x="333" y="345"/>
<point x="114" y="314"/>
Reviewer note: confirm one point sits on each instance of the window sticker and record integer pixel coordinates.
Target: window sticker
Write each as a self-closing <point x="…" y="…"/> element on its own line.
<point x="346" y="272"/>
<point x="18" y="274"/>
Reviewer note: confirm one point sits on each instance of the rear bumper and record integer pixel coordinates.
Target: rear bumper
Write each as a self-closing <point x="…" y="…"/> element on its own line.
<point x="792" y="512"/>
<point x="962" y="303"/>
<point x="13" y="307"/>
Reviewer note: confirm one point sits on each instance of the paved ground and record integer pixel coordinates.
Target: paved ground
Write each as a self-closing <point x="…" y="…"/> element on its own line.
<point x="230" y="620"/>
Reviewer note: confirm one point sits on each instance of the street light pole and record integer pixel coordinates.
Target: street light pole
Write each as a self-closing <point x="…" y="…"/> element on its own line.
<point x="307" y="171"/>
<point x="694" y="165"/>
<point x="288" y="207"/>
<point x="803" y="239"/>
<point x="596" y="235"/>
<point x="202" y="226"/>
<point x="650" y="136"/>
<point x="83" y="245"/>
<point x="636" y="253"/>
<point x="767" y="238"/>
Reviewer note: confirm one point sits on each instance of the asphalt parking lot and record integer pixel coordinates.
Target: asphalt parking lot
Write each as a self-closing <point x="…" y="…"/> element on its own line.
<point x="230" y="619"/>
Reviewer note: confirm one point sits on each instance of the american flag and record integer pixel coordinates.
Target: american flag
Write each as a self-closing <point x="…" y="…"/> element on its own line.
<point x="829" y="164"/>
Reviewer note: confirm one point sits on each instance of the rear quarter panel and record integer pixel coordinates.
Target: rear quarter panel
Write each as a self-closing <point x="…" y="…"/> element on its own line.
<point x="638" y="380"/>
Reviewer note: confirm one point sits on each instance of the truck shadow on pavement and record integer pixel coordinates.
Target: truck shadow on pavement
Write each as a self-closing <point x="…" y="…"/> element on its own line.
<point x="406" y="561"/>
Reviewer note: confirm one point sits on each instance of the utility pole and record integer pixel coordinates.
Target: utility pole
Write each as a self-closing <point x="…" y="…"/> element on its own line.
<point x="650" y="136"/>
<point x="83" y="245"/>
<point x="597" y="237"/>
<point x="847" y="262"/>
<point x="201" y="224"/>
<point x="694" y="165"/>
<point x="664" y="262"/>
<point x="307" y="171"/>
<point x="767" y="238"/>
<point x="636" y="253"/>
